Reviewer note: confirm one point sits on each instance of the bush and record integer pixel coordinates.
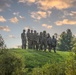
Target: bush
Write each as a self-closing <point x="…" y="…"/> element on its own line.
<point x="10" y="63"/>
<point x="71" y="66"/>
<point x="50" y="69"/>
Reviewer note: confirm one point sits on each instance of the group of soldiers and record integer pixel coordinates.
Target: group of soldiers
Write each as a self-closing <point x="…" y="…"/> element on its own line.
<point x="38" y="41"/>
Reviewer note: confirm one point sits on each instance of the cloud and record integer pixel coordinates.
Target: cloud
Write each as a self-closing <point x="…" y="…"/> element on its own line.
<point x="4" y="4"/>
<point x="11" y="36"/>
<point x="14" y="20"/>
<point x="40" y="14"/>
<point x="65" y="22"/>
<point x="73" y="13"/>
<point x="27" y="1"/>
<point x="21" y="17"/>
<point x="1" y="10"/>
<point x="2" y="19"/>
<point x="47" y="26"/>
<point x="58" y="4"/>
<point x="5" y="28"/>
<point x="27" y="27"/>
<point x="16" y="13"/>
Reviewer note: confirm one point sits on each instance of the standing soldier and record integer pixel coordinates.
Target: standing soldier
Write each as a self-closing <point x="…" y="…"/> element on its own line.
<point x="31" y="39"/>
<point x="28" y="38"/>
<point x="37" y="45"/>
<point x="23" y="37"/>
<point x="54" y="42"/>
<point x="44" y="41"/>
<point x="34" y="39"/>
<point x="49" y="42"/>
<point x="40" y="41"/>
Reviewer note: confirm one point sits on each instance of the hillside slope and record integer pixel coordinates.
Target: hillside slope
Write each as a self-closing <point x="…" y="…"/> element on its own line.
<point x="33" y="58"/>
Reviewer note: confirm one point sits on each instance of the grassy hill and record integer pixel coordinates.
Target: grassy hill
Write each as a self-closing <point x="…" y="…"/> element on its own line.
<point x="33" y="58"/>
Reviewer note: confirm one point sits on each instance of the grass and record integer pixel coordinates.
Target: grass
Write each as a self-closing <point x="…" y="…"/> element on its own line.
<point x="33" y="58"/>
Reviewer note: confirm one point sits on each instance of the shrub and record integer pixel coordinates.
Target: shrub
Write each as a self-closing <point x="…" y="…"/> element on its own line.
<point x="10" y="63"/>
<point x="71" y="66"/>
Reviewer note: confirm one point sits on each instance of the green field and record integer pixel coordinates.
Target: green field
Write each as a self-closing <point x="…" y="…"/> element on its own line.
<point x="33" y="58"/>
<point x="32" y="62"/>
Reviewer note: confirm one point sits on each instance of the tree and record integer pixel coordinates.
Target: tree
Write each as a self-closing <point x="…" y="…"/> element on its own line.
<point x="2" y="43"/>
<point x="66" y="41"/>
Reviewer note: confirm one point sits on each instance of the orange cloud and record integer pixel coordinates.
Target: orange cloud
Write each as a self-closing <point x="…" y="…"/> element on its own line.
<point x="59" y="4"/>
<point x="40" y="14"/>
<point x="47" y="26"/>
<point x="5" y="28"/>
<point x="14" y="20"/>
<point x="2" y="19"/>
<point x="65" y="21"/>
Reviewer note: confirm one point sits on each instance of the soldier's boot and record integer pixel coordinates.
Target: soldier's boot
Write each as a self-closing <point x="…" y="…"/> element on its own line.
<point x="54" y="50"/>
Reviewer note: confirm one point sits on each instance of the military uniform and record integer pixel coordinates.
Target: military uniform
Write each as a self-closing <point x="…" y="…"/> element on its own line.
<point x="31" y="39"/>
<point x="35" y="40"/>
<point x="23" y="37"/>
<point x="40" y="41"/>
<point x="49" y="42"/>
<point x="28" y="38"/>
<point x="44" y="41"/>
<point x="54" y="42"/>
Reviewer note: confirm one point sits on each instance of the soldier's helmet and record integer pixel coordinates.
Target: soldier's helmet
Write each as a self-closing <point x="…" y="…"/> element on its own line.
<point x="28" y="29"/>
<point x="34" y="31"/>
<point x="44" y="31"/>
<point x="40" y="33"/>
<point x="53" y="36"/>
<point x="48" y="35"/>
<point x="23" y="30"/>
<point x="31" y="30"/>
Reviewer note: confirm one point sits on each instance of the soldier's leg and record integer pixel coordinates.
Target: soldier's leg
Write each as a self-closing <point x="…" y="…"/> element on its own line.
<point x="25" y="44"/>
<point x="28" y="44"/>
<point x="41" y="46"/>
<point x="54" y="49"/>
<point x="37" y="46"/>
<point x="22" y="44"/>
<point x="50" y="48"/>
<point x="45" y="46"/>
<point x="34" y="43"/>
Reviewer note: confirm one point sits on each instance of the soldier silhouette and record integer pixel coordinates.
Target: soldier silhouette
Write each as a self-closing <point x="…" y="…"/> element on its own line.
<point x="53" y="43"/>
<point x="23" y="37"/>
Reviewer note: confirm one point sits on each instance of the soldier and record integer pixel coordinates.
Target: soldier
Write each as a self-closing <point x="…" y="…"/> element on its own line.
<point x="44" y="41"/>
<point x="53" y="44"/>
<point x="31" y="39"/>
<point x="49" y="42"/>
<point x="40" y="41"/>
<point x="23" y="37"/>
<point x="28" y="38"/>
<point x="35" y="40"/>
<point x="37" y="45"/>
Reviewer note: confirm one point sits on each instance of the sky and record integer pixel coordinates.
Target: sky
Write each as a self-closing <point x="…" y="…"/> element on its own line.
<point x="54" y="16"/>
